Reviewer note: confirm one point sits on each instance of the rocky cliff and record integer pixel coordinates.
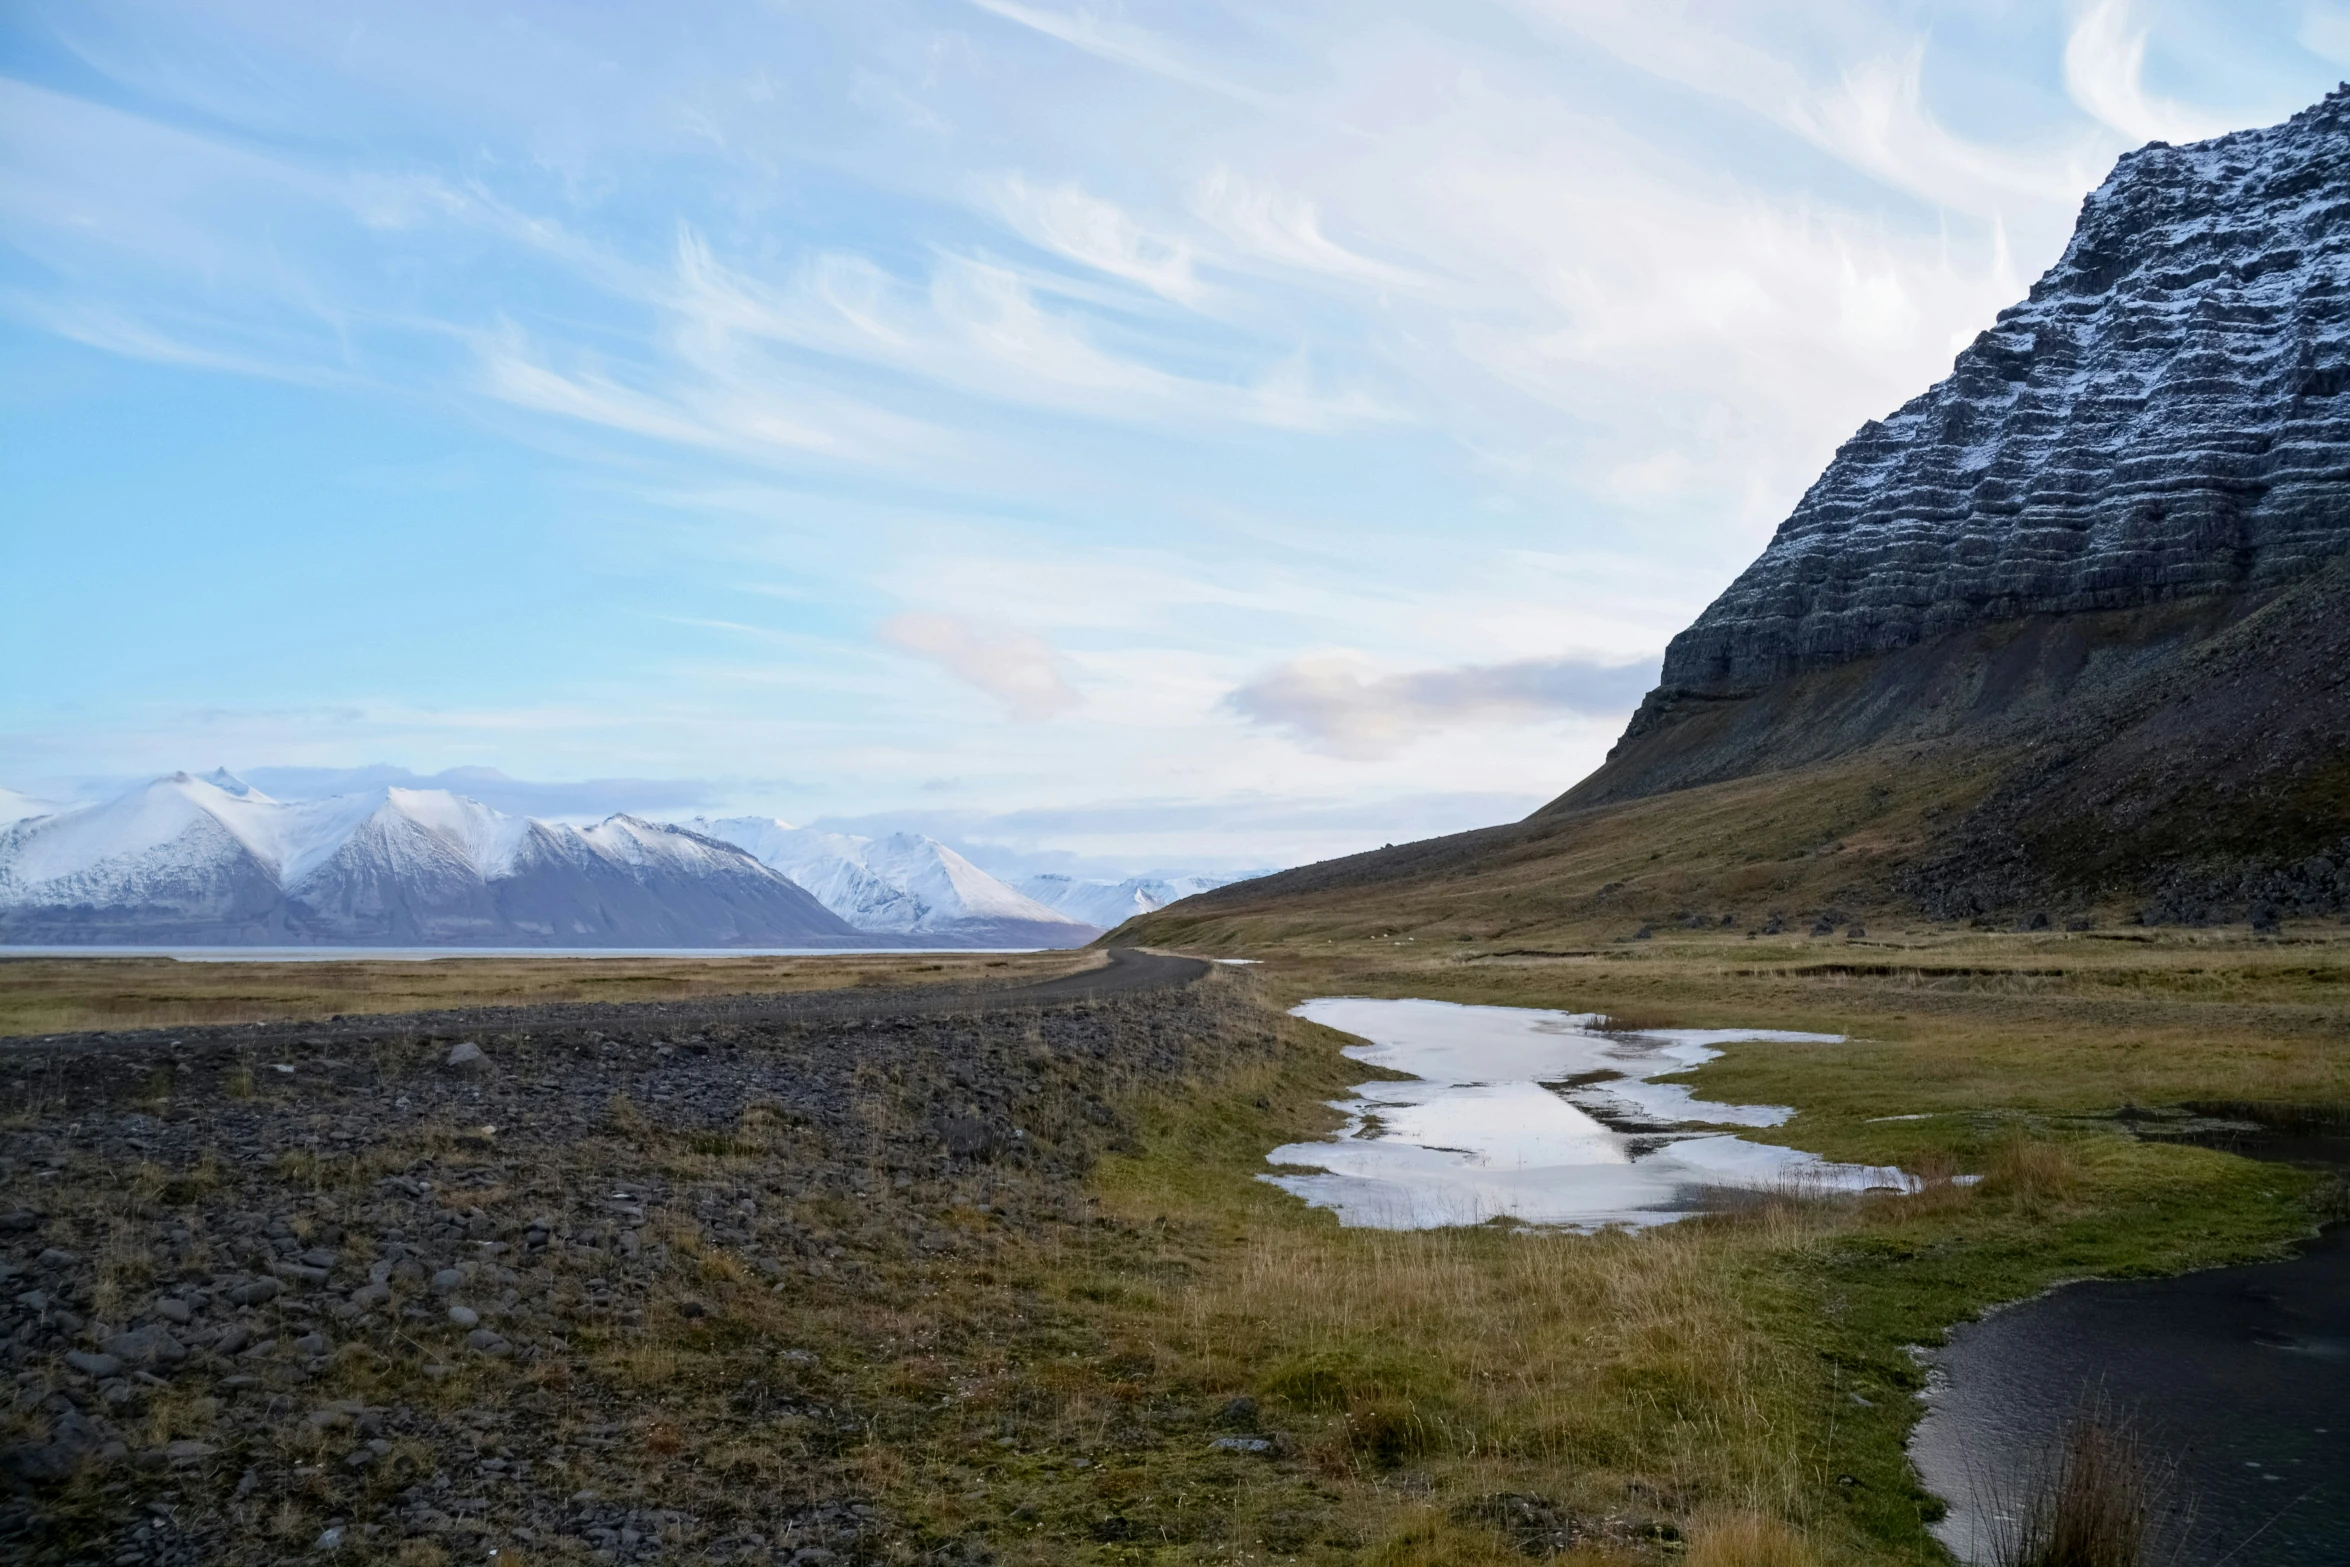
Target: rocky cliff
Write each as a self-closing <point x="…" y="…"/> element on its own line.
<point x="2164" y="417"/>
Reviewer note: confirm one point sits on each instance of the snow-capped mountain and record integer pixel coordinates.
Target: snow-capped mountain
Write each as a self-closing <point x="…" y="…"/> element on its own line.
<point x="1110" y="904"/>
<point x="213" y="861"/>
<point x="16" y="807"/>
<point x="902" y="884"/>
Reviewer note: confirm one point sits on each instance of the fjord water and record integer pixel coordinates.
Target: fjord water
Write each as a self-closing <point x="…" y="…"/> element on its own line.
<point x="2239" y="1376"/>
<point x="1543" y="1117"/>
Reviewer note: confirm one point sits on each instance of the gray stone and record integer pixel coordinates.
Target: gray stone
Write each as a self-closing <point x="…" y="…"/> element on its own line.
<point x="464" y="1316"/>
<point x="90" y="1365"/>
<point x="147" y="1346"/>
<point x="466" y="1057"/>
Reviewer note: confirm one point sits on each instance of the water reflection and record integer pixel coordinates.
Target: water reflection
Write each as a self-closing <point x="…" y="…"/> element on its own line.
<point x="2241" y="1375"/>
<point x="1541" y="1117"/>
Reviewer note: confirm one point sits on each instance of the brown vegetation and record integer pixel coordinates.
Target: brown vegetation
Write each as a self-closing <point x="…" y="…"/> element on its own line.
<point x="61" y="992"/>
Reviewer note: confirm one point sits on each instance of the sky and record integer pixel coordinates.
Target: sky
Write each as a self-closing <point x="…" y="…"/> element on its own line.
<point x="1125" y="434"/>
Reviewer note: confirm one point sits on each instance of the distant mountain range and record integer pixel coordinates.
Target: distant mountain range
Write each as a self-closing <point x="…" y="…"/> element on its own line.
<point x="206" y="861"/>
<point x="1111" y="904"/>
<point x="212" y="861"/>
<point x="904" y="884"/>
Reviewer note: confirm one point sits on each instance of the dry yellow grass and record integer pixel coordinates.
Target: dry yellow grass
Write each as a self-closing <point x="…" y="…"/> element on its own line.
<point x="41" y="995"/>
<point x="1747" y="1540"/>
<point x="1834" y="835"/>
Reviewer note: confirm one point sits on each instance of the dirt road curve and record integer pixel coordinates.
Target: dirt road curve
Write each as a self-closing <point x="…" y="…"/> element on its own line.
<point x="1130" y="971"/>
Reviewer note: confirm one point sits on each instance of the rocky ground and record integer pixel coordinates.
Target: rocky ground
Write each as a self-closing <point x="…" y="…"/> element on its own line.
<point x="657" y="1289"/>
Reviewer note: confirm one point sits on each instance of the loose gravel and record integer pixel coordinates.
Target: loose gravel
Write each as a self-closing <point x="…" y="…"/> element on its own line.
<point x="423" y="1293"/>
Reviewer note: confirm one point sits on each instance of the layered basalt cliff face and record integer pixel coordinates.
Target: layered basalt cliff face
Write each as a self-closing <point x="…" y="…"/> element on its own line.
<point x="2166" y="416"/>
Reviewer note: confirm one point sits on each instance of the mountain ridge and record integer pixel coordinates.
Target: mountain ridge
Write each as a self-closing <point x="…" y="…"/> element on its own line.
<point x="903" y="883"/>
<point x="211" y="861"/>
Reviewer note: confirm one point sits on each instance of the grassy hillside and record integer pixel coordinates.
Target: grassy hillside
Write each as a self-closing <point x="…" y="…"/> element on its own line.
<point x="1833" y="838"/>
<point x="2190" y="759"/>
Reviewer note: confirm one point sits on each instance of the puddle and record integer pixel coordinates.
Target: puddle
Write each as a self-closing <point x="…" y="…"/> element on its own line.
<point x="1538" y="1116"/>
<point x="2240" y="1375"/>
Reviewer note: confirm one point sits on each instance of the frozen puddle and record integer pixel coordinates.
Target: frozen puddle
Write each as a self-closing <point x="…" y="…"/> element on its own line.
<point x="1537" y="1116"/>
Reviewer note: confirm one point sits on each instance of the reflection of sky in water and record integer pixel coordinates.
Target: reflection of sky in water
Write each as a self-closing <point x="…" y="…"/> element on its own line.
<point x="1478" y="1133"/>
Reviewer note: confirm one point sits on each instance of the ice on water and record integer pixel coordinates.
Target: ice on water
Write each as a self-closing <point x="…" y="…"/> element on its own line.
<point x="1498" y="1119"/>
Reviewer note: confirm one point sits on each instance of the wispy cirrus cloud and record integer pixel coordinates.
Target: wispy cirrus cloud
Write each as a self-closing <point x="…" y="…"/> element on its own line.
<point x="1066" y="220"/>
<point x="2105" y="71"/>
<point x="1267" y="224"/>
<point x="1098" y="31"/>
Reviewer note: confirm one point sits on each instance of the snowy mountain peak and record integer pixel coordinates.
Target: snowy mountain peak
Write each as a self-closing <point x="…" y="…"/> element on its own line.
<point x="903" y="883"/>
<point x="229" y="783"/>
<point x="1110" y="904"/>
<point x="210" y="859"/>
<point x="16" y="806"/>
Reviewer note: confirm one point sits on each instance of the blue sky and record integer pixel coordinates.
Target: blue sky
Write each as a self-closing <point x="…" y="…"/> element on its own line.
<point x="1163" y="433"/>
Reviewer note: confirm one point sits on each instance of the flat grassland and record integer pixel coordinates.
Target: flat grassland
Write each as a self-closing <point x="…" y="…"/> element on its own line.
<point x="1745" y="1377"/>
<point x="1731" y="1390"/>
<point x="47" y="995"/>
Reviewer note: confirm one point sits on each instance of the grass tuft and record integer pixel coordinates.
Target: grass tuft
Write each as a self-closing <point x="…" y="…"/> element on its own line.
<point x="1746" y="1539"/>
<point x="2102" y="1500"/>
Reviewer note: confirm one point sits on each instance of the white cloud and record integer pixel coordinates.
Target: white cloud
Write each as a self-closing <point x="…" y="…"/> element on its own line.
<point x="1868" y="109"/>
<point x="1086" y="27"/>
<point x="979" y="327"/>
<point x="1332" y="701"/>
<point x="2104" y="70"/>
<point x="112" y="331"/>
<point x="2325" y="31"/>
<point x="1288" y="230"/>
<point x="1018" y="668"/>
<point x="1099" y="234"/>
